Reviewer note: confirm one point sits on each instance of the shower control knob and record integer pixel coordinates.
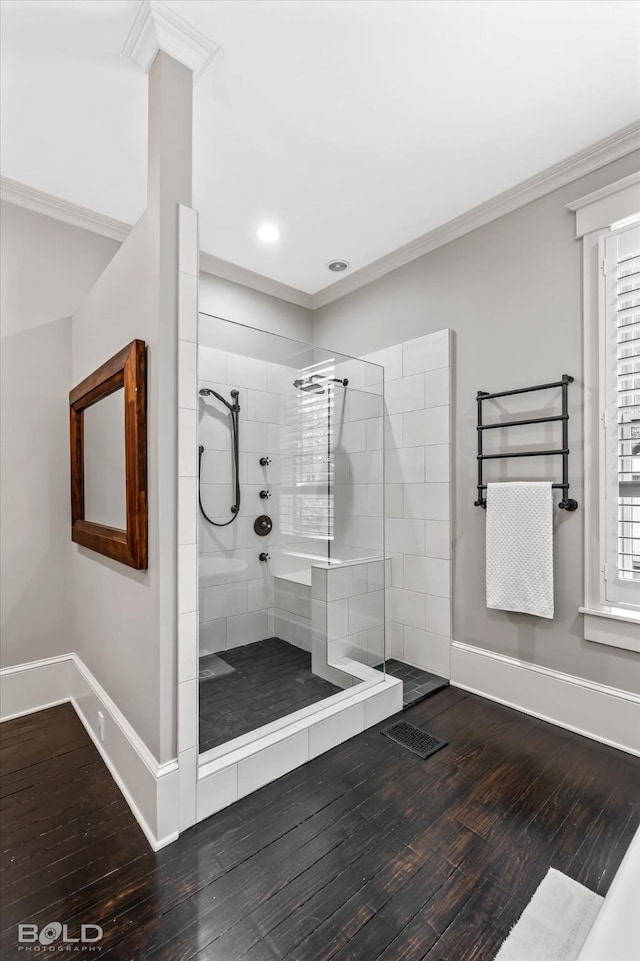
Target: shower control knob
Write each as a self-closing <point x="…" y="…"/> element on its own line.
<point x="265" y="494"/>
<point x="263" y="525"/>
<point x="264" y="556"/>
<point x="265" y="461"/>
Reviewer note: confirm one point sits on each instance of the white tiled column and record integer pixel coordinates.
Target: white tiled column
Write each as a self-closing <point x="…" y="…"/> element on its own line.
<point x="187" y="514"/>
<point x="418" y="498"/>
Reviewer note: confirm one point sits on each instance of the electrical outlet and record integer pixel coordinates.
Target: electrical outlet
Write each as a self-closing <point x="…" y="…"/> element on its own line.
<point x="101" y="725"/>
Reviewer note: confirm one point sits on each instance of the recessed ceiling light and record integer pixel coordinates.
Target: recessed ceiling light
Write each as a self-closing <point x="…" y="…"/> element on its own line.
<point x="337" y="266"/>
<point x="269" y="233"/>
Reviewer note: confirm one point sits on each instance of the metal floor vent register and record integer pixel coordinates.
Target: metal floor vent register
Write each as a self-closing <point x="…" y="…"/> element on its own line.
<point x="415" y="740"/>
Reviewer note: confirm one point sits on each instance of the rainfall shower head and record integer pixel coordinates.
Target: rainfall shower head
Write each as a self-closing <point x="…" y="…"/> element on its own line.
<point x="312" y="382"/>
<point x="308" y="385"/>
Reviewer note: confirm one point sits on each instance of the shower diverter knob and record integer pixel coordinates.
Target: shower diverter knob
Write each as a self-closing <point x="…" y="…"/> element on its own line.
<point x="265" y="461"/>
<point x="264" y="556"/>
<point x="265" y="494"/>
<point x="263" y="525"/>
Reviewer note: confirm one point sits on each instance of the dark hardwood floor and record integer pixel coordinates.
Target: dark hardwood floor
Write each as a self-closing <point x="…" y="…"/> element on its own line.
<point x="365" y="854"/>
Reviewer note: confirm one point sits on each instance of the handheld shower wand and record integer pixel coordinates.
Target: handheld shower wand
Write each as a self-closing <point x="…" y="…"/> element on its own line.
<point x="234" y="410"/>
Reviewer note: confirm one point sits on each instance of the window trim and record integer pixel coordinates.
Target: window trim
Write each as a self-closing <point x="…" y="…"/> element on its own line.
<point x="596" y="215"/>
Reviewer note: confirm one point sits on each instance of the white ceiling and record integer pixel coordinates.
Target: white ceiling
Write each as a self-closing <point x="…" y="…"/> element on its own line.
<point x="355" y="125"/>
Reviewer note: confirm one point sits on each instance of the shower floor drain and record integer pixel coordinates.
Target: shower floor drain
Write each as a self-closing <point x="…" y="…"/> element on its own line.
<point x="414" y="739"/>
<point x="213" y="666"/>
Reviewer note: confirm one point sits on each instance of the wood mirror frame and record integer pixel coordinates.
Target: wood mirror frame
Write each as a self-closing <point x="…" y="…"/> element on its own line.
<point x="127" y="370"/>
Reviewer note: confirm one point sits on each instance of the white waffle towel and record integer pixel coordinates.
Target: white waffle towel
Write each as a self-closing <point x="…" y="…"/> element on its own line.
<point x="520" y="547"/>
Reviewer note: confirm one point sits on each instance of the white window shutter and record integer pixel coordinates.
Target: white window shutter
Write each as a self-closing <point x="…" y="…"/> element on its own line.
<point x="620" y="368"/>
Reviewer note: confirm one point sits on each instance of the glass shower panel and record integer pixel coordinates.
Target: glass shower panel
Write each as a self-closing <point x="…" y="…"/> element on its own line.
<point x="355" y="576"/>
<point x="291" y="573"/>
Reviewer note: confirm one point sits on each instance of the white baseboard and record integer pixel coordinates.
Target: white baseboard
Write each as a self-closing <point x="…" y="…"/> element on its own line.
<point x="150" y="789"/>
<point x="602" y="713"/>
<point x="26" y="688"/>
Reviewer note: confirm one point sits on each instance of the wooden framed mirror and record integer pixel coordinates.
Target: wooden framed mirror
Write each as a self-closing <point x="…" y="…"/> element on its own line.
<point x="109" y="458"/>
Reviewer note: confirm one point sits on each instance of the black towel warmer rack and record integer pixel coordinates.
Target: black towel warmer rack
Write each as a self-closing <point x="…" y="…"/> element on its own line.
<point x="567" y="503"/>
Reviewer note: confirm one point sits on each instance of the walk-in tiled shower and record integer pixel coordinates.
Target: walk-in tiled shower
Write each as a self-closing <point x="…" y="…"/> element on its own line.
<point x="291" y="529"/>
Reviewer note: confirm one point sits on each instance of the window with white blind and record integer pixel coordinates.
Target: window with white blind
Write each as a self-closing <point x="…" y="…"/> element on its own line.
<point x="620" y="415"/>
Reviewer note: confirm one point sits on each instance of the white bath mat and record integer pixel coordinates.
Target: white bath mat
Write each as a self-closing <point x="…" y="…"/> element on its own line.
<point x="555" y="923"/>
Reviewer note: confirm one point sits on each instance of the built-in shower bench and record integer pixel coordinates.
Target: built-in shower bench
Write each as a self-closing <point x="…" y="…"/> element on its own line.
<point x="336" y="612"/>
<point x="297" y="577"/>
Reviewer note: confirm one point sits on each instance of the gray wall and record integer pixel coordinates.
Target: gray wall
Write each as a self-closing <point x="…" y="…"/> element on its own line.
<point x="222" y="298"/>
<point x="117" y="609"/>
<point x="34" y="486"/>
<point x="512" y="292"/>
<point x="47" y="268"/>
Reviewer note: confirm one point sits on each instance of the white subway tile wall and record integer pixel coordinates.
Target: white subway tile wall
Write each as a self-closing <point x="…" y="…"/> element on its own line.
<point x="187" y="512"/>
<point x="417" y="498"/>
<point x="236" y="588"/>
<point x="292" y="612"/>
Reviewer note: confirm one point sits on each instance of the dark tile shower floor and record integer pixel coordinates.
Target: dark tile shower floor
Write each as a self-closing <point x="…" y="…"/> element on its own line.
<point x="416" y="684"/>
<point x="271" y="679"/>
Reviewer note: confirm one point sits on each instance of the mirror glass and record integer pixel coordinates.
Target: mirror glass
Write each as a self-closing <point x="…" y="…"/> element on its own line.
<point x="104" y="462"/>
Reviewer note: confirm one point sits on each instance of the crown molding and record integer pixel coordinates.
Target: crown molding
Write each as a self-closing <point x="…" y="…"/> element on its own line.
<point x="611" y="148"/>
<point x="156" y="27"/>
<point x="605" y="151"/>
<point x="225" y="270"/>
<point x="13" y="192"/>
